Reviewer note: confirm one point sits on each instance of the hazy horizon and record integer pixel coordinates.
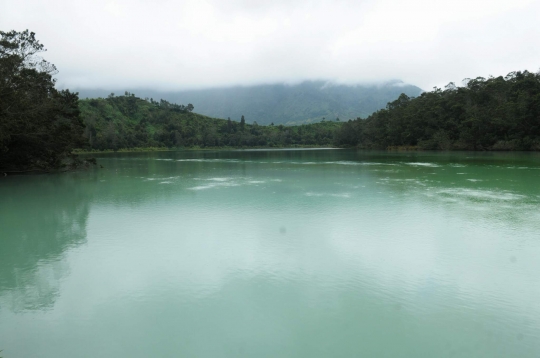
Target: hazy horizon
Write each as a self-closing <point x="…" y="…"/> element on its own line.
<point x="325" y="83"/>
<point x="189" y="45"/>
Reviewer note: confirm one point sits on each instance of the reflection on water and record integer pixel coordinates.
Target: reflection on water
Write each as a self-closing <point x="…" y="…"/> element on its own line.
<point x="302" y="253"/>
<point x="40" y="218"/>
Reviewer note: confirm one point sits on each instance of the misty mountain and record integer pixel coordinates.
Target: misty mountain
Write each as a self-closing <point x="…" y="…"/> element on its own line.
<point x="307" y="102"/>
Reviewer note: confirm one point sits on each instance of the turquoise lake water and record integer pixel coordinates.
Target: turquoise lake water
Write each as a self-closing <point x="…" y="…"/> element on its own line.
<point x="274" y="253"/>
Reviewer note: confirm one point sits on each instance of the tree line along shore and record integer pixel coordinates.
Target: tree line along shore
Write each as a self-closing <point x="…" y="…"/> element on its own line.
<point x="497" y="113"/>
<point x="43" y="128"/>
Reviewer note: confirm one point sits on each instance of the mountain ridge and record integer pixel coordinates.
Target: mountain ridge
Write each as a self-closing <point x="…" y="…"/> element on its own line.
<point x="305" y="102"/>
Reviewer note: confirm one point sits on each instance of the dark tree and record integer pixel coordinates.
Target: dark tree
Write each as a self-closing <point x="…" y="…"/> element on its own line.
<point x="242" y="123"/>
<point x="39" y="125"/>
<point x="498" y="113"/>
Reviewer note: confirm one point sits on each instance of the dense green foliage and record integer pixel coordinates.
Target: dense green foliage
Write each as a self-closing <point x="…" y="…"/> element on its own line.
<point x="307" y="102"/>
<point x="39" y="125"/>
<point x="118" y="122"/>
<point x="499" y="113"/>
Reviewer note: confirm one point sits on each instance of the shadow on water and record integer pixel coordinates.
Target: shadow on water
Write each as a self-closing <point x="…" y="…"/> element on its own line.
<point x="41" y="217"/>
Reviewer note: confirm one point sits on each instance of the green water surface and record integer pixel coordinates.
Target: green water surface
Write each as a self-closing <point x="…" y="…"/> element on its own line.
<point x="285" y="253"/>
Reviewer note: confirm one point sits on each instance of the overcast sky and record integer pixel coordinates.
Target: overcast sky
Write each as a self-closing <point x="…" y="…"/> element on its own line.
<point x="186" y="44"/>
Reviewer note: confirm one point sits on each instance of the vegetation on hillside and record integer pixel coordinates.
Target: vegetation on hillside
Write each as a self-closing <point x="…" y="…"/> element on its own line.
<point x="120" y="122"/>
<point x="39" y="125"/>
<point x="307" y="102"/>
<point x="498" y="113"/>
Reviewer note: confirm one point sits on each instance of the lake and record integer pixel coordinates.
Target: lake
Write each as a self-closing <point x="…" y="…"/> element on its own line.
<point x="274" y="253"/>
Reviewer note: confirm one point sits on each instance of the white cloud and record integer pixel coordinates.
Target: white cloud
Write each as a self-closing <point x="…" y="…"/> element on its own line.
<point x="193" y="43"/>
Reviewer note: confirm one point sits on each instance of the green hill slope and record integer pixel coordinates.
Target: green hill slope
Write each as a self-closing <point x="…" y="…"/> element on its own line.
<point x="128" y="122"/>
<point x="498" y="113"/>
<point x="307" y="102"/>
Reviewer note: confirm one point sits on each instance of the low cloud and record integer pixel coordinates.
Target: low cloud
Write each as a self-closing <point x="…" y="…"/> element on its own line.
<point x="171" y="45"/>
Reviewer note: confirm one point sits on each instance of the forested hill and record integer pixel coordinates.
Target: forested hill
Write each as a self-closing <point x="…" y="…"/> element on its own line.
<point x="307" y="102"/>
<point x="121" y="122"/>
<point x="40" y="125"/>
<point x="498" y="113"/>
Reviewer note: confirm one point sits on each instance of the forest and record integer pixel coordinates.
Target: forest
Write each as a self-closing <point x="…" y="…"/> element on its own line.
<point x="127" y="121"/>
<point x="497" y="113"/>
<point x="287" y="104"/>
<point x="41" y="126"/>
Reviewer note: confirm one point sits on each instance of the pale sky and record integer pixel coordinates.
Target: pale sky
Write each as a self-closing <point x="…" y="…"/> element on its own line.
<point x="185" y="44"/>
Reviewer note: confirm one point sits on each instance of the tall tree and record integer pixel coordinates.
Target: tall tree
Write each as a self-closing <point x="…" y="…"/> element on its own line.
<point x="39" y="125"/>
<point x="242" y="123"/>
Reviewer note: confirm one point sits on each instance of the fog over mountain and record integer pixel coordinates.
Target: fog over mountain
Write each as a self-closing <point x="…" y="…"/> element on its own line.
<point x="186" y="44"/>
<point x="307" y="102"/>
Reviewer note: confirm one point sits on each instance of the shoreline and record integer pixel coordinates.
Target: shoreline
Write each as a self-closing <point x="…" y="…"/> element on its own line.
<point x="158" y="149"/>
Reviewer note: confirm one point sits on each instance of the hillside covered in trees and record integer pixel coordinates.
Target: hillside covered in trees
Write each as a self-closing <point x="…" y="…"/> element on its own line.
<point x="39" y="124"/>
<point x="498" y="113"/>
<point x="121" y="122"/>
<point x="306" y="102"/>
